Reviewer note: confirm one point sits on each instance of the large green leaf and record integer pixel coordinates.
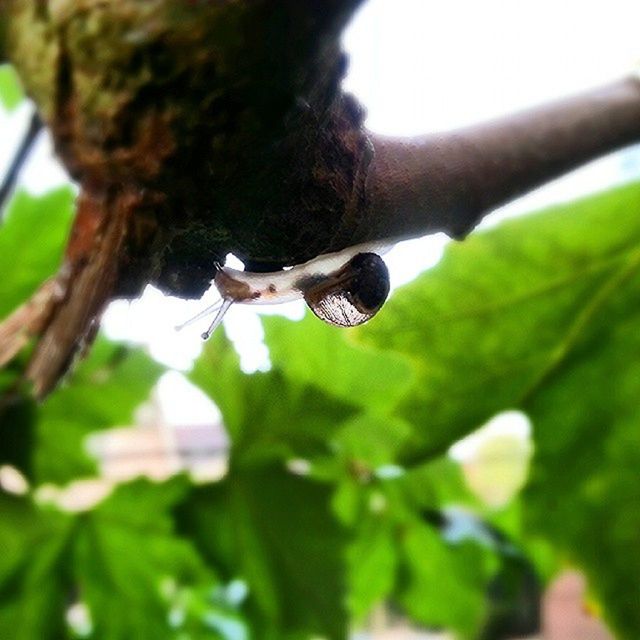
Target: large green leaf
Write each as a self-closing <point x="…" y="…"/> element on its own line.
<point x="114" y="559"/>
<point x="31" y="242"/>
<point x="34" y="582"/>
<point x="323" y="356"/>
<point x="500" y="310"/>
<point x="542" y="314"/>
<point x="102" y="392"/>
<point x="124" y="551"/>
<point x="267" y="414"/>
<point x="275" y="530"/>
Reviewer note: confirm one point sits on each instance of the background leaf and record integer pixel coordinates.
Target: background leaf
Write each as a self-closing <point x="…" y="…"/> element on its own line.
<point x="433" y="572"/>
<point x="542" y="314"/>
<point x="124" y="553"/>
<point x="32" y="237"/>
<point x="316" y="354"/>
<point x="102" y="392"/>
<point x="275" y="530"/>
<point x="268" y="415"/>
<point x="34" y="579"/>
<point x="114" y="559"/>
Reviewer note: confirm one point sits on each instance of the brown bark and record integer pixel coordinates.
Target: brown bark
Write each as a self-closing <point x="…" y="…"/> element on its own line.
<point x="448" y="182"/>
<point x="194" y="129"/>
<point x="228" y="111"/>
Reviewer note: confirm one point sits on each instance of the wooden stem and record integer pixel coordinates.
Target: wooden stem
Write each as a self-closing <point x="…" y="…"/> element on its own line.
<point x="448" y="182"/>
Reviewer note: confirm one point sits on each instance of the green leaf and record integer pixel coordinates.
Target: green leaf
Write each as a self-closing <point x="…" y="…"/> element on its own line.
<point x="399" y="548"/>
<point x="438" y="483"/>
<point x="372" y="562"/>
<point x="267" y="415"/>
<point x="34" y="581"/>
<point x="501" y="308"/>
<point x="32" y="238"/>
<point x="125" y="550"/>
<point x="323" y="356"/>
<point x="445" y="585"/>
<point x="11" y="94"/>
<point x="371" y="440"/>
<point x="217" y="372"/>
<point x="584" y="492"/>
<point x="275" y="531"/>
<point x="542" y="314"/>
<point x="116" y="559"/>
<point x="102" y="392"/>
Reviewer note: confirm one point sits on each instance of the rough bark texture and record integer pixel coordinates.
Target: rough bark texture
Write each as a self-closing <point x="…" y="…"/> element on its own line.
<point x="194" y="128"/>
<point x="226" y="114"/>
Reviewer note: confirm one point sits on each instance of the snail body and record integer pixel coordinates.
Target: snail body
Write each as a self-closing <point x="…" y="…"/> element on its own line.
<point x="344" y="289"/>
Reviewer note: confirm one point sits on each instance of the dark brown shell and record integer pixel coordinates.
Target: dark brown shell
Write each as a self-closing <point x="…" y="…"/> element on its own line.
<point x="353" y="294"/>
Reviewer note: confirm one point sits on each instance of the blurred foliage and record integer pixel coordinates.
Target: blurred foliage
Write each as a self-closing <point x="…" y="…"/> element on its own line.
<point x="542" y="314"/>
<point x="340" y="494"/>
<point x="113" y="558"/>
<point x="107" y="387"/>
<point x="33" y="235"/>
<point x="11" y="94"/>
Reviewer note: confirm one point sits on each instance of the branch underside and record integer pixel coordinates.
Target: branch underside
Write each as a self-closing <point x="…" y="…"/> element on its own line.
<point x="231" y="119"/>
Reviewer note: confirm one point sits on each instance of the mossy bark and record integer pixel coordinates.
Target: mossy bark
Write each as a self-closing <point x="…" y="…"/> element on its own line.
<point x="227" y="115"/>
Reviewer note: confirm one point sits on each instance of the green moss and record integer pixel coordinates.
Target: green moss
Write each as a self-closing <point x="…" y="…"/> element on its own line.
<point x="34" y="50"/>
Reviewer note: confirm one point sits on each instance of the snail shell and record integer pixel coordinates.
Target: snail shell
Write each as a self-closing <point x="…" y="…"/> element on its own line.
<point x="351" y="295"/>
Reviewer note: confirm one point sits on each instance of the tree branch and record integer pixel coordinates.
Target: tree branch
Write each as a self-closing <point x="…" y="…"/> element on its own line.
<point x="448" y="182"/>
<point x="22" y="153"/>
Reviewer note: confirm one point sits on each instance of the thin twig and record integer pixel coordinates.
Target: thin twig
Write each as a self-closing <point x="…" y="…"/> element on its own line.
<point x="11" y="176"/>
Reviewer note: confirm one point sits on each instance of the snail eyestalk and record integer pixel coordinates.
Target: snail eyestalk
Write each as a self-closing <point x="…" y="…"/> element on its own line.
<point x="226" y="304"/>
<point x="202" y="314"/>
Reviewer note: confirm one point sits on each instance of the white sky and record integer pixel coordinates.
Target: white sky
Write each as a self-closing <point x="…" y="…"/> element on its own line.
<point x="424" y="65"/>
<point x="418" y="66"/>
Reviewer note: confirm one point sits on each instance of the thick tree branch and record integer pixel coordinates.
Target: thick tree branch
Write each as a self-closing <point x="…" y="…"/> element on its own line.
<point x="449" y="181"/>
<point x="195" y="129"/>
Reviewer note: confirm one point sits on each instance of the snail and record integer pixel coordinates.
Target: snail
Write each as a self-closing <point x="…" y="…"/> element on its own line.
<point x="344" y="289"/>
